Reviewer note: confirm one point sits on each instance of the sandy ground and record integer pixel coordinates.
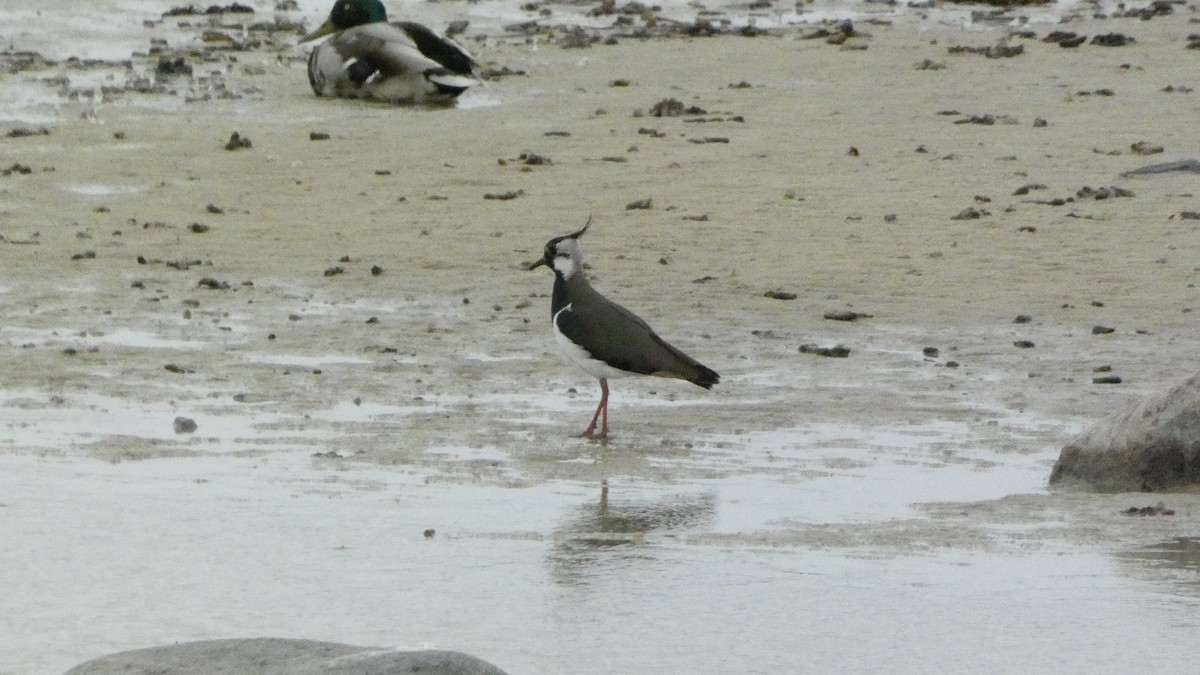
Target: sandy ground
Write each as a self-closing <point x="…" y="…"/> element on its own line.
<point x="267" y="327"/>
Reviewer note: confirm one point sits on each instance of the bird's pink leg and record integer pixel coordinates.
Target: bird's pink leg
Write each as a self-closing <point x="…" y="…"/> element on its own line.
<point x="604" y="406"/>
<point x="590" y="432"/>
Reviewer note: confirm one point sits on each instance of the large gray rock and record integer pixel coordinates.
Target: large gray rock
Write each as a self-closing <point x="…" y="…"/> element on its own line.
<point x="1152" y="445"/>
<point x="278" y="656"/>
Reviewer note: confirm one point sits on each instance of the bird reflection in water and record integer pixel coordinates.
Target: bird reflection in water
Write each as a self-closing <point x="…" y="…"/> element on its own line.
<point x="1178" y="553"/>
<point x="614" y="531"/>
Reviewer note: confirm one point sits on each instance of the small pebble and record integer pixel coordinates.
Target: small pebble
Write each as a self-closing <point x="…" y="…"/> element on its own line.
<point x="237" y="142"/>
<point x="836" y="352"/>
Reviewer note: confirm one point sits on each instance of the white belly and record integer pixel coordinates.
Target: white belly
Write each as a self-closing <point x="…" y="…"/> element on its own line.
<point x="577" y="355"/>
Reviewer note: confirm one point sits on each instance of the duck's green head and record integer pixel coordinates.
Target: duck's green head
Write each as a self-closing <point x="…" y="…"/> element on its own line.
<point x="348" y="14"/>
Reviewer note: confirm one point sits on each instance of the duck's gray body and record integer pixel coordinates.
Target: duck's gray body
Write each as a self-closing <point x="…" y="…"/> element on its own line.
<point x="400" y="62"/>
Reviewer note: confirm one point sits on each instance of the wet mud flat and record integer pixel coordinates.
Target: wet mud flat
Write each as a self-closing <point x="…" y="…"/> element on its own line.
<point x="903" y="300"/>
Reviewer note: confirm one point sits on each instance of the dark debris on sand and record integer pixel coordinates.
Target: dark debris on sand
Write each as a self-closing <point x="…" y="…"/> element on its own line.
<point x="834" y="352"/>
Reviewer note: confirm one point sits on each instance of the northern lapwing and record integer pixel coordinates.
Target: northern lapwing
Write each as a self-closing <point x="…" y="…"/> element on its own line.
<point x="604" y="338"/>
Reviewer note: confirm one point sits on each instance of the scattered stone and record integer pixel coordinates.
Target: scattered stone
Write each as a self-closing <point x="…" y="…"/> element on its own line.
<point x="1159" y="509"/>
<point x="1102" y="193"/>
<point x="190" y="10"/>
<point x="1065" y="39"/>
<point x="237" y="142"/>
<point x="970" y="213"/>
<point x="667" y="107"/>
<point x="1153" y="444"/>
<point x="779" y="295"/>
<point x="184" y="425"/>
<point x="214" y="209"/>
<point x="838" y="35"/>
<point x="1102" y="330"/>
<point x="1028" y="187"/>
<point x="1156" y="8"/>
<point x="835" y="352"/>
<point x="199" y="228"/>
<point x="504" y="196"/>
<point x="23" y="132"/>
<point x="176" y="67"/>
<point x="376" y="270"/>
<point x="1144" y="148"/>
<point x="1112" y="40"/>
<point x="429" y="533"/>
<point x="178" y="370"/>
<point x="930" y="352"/>
<point x="318" y="136"/>
<point x="847" y="315"/>
<point x="212" y="284"/>
<point x="1000" y="50"/>
<point x="1107" y="379"/>
<point x="985" y="120"/>
<point x="334" y="271"/>
<point x="577" y="37"/>
<point x="640" y="204"/>
<point x="84" y="255"/>
<point x="1023" y="344"/>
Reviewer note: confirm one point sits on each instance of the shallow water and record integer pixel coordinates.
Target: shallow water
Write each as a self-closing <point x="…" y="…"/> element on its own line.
<point x="540" y="579"/>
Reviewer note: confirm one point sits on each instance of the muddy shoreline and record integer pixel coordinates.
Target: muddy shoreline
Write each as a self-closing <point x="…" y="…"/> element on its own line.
<point x="350" y="316"/>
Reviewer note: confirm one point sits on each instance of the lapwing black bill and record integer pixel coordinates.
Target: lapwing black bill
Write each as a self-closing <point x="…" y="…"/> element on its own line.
<point x="604" y="338"/>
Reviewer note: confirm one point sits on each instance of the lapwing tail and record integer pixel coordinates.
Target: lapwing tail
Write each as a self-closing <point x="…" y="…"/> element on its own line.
<point x="705" y="377"/>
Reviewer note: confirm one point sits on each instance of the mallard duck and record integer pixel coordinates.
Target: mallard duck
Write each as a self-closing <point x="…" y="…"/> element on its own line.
<point x="400" y="62"/>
